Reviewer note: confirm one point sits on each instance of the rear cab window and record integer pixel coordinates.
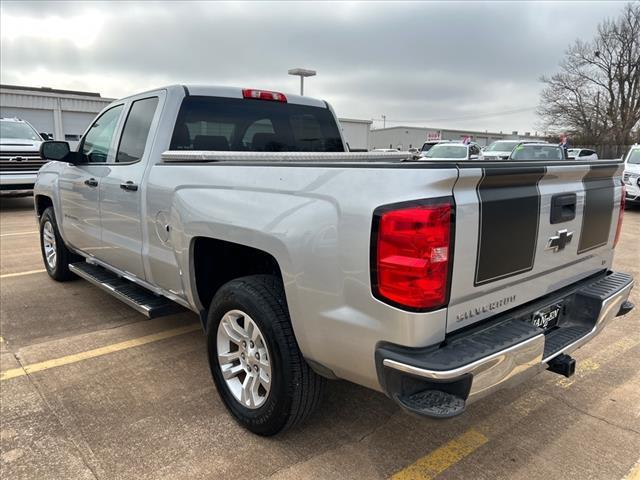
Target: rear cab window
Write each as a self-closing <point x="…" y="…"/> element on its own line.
<point x="235" y="124"/>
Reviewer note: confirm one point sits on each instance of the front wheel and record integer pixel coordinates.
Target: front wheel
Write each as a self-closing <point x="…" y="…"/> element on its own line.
<point x="255" y="361"/>
<point x="55" y="254"/>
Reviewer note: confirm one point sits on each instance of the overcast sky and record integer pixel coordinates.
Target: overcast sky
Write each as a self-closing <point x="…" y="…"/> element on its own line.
<point x="456" y="65"/>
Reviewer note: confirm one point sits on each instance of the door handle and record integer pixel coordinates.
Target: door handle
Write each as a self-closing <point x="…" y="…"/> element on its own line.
<point x="91" y="182"/>
<point x="129" y="186"/>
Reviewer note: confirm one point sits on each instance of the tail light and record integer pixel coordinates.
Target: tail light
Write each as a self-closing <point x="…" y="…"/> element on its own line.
<point x="264" y="95"/>
<point x="620" y="215"/>
<point x="412" y="248"/>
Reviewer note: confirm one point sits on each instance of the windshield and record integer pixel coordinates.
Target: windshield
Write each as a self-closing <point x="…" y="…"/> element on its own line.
<point x="501" y="146"/>
<point x="18" y="130"/>
<point x="634" y="156"/>
<point x="232" y="124"/>
<point x="447" y="151"/>
<point x="537" y="152"/>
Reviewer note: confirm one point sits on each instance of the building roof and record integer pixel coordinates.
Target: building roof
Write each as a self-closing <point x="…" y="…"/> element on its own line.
<point x="49" y="90"/>
<point x="476" y="133"/>
<point x="355" y="120"/>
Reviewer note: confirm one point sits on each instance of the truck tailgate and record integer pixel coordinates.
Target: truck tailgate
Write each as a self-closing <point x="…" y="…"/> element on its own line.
<point x="525" y="230"/>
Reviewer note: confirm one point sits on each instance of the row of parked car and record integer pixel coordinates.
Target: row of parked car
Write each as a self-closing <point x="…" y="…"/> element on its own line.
<point x="527" y="150"/>
<point x="503" y="150"/>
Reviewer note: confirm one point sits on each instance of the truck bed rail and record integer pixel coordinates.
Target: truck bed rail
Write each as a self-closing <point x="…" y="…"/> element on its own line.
<point x="178" y="156"/>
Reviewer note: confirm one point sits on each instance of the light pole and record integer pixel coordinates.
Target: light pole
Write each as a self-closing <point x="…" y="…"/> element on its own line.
<point x="302" y="72"/>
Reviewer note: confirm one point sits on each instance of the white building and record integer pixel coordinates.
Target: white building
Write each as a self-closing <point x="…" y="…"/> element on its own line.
<point x="356" y="133"/>
<point x="61" y="114"/>
<point x="413" y="137"/>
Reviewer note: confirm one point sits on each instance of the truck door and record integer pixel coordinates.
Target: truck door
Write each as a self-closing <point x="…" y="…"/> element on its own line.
<point x="79" y="184"/>
<point x="122" y="189"/>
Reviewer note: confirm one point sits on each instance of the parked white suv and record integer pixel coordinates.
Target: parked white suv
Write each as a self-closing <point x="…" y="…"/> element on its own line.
<point x="631" y="175"/>
<point x="582" y="154"/>
<point x="19" y="156"/>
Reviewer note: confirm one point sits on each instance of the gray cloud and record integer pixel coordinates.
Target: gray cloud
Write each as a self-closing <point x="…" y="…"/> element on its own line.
<point x="409" y="61"/>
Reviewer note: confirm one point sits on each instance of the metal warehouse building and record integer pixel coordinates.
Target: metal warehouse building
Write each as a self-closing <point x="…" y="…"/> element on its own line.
<point x="357" y="133"/>
<point x="413" y="137"/>
<point x="62" y="114"/>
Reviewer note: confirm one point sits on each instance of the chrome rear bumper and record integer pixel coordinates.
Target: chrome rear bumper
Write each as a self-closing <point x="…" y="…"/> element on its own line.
<point x="602" y="300"/>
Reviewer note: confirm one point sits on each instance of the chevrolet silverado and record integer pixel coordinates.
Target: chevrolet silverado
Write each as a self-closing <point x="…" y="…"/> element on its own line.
<point x="435" y="282"/>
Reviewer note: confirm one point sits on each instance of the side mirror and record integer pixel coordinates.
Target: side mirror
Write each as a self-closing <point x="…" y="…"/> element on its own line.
<point x="59" y="152"/>
<point x="474" y="157"/>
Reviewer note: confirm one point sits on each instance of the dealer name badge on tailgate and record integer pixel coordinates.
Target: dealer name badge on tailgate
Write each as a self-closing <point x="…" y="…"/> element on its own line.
<point x="547" y="317"/>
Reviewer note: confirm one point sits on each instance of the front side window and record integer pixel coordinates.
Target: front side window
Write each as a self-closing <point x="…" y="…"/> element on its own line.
<point x="234" y="124"/>
<point x="136" y="130"/>
<point x="97" y="142"/>
<point x="18" y="130"/>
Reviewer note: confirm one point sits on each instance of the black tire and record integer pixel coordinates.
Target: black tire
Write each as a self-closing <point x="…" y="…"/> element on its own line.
<point x="60" y="271"/>
<point x="296" y="389"/>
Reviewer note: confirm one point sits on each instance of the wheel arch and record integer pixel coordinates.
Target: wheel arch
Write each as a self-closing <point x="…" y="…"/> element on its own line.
<point x="215" y="262"/>
<point x="42" y="202"/>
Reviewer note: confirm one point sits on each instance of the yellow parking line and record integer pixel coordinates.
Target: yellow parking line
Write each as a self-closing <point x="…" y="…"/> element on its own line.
<point x="97" y="352"/>
<point x="444" y="457"/>
<point x="19" y="274"/>
<point x="634" y="473"/>
<point x="17" y="233"/>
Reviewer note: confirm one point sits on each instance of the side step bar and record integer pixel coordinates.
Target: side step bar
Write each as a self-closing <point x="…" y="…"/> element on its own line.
<point x="139" y="298"/>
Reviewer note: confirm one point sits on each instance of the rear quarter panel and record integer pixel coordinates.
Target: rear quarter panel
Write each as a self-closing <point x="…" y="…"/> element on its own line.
<point x="316" y="222"/>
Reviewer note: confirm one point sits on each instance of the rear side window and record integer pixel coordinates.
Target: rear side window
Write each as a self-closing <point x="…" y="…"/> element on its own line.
<point x="136" y="130"/>
<point x="233" y="124"/>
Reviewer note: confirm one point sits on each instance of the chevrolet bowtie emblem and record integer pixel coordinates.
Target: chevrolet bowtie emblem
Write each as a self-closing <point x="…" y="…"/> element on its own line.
<point x="560" y="240"/>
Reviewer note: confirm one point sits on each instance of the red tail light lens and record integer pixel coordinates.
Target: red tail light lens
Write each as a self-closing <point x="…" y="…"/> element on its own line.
<point x="620" y="215"/>
<point x="413" y="248"/>
<point x="264" y="95"/>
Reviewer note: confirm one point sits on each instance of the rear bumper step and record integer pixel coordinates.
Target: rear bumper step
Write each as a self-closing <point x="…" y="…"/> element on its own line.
<point x="137" y="297"/>
<point x="501" y="353"/>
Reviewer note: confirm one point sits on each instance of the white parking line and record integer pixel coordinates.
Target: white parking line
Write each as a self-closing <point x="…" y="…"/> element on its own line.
<point x="19" y="274"/>
<point x="18" y="233"/>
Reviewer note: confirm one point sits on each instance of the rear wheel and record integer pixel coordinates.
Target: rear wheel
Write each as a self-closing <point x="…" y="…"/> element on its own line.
<point x="55" y="254"/>
<point x="255" y="361"/>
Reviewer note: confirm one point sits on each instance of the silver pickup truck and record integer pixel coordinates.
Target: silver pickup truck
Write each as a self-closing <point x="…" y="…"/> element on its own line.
<point x="436" y="282"/>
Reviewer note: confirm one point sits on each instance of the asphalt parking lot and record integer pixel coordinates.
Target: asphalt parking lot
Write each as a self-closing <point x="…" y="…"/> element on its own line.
<point x="91" y="389"/>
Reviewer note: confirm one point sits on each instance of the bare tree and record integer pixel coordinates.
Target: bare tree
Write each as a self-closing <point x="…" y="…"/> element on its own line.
<point x="596" y="94"/>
